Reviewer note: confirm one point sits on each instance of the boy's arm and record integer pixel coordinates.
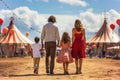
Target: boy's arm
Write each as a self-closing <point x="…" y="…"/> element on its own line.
<point x="32" y="53"/>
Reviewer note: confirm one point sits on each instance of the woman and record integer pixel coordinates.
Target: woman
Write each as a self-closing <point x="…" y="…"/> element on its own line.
<point x="78" y="45"/>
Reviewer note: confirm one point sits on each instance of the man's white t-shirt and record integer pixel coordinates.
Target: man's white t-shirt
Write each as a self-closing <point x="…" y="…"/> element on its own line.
<point x="36" y="50"/>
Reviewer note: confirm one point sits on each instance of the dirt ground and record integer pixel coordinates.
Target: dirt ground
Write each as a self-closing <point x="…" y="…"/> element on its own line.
<point x="93" y="69"/>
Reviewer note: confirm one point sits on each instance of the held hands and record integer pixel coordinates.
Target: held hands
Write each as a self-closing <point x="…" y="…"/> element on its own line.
<point x="58" y="45"/>
<point x="42" y="46"/>
<point x="42" y="52"/>
<point x="41" y="49"/>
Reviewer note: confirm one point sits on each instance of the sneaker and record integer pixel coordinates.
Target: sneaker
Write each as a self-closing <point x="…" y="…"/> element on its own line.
<point x="51" y="73"/>
<point x="80" y="72"/>
<point x="47" y="71"/>
<point x="76" y="72"/>
<point x="35" y="72"/>
<point x="67" y="72"/>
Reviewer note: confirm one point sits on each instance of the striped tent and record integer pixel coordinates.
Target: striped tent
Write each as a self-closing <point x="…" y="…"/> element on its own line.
<point x="103" y="39"/>
<point x="10" y="43"/>
<point x="16" y="37"/>
<point x="104" y="35"/>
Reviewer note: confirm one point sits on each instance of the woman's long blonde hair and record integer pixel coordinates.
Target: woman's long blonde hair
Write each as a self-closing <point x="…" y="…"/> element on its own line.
<point x="78" y="25"/>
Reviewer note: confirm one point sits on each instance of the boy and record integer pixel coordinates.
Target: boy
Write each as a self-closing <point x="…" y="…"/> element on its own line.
<point x="35" y="48"/>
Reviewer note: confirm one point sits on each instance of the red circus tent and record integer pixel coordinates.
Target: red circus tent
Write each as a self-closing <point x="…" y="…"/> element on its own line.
<point x="16" y="37"/>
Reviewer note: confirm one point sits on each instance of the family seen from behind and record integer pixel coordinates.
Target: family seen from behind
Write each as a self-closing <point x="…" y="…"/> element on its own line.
<point x="50" y="37"/>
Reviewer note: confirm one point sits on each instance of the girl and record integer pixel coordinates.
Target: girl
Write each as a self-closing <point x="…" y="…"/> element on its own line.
<point x="65" y="55"/>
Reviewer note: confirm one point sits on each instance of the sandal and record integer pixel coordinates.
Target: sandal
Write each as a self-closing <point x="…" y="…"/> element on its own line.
<point x="76" y="70"/>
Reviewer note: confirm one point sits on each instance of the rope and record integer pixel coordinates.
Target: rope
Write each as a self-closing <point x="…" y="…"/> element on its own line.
<point x="18" y="17"/>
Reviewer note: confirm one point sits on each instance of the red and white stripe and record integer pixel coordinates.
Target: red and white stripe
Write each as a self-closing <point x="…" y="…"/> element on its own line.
<point x="104" y="35"/>
<point x="17" y="37"/>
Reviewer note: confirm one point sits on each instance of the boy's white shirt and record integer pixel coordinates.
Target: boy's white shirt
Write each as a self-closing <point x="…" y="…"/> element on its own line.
<point x="36" y="50"/>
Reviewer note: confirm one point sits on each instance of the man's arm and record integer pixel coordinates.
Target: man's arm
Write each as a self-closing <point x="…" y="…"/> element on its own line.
<point x="57" y="36"/>
<point x="41" y="43"/>
<point x="42" y="36"/>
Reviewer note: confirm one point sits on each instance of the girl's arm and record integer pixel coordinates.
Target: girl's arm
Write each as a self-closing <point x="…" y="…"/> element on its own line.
<point x="61" y="43"/>
<point x="69" y="44"/>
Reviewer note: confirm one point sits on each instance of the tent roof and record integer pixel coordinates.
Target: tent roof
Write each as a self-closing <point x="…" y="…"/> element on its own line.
<point x="16" y="37"/>
<point x="104" y="35"/>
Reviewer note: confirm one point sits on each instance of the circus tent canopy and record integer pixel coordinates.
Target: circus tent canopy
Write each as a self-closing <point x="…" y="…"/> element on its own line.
<point x="104" y="35"/>
<point x="16" y="37"/>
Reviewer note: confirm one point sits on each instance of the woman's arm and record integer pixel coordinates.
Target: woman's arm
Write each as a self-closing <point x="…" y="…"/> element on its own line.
<point x="73" y="35"/>
<point x="84" y="38"/>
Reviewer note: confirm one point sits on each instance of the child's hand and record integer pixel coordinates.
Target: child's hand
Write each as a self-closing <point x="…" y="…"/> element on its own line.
<point x="58" y="45"/>
<point x="41" y="50"/>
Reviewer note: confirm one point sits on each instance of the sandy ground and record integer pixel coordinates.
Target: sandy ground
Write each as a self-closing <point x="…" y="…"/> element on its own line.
<point x="93" y="69"/>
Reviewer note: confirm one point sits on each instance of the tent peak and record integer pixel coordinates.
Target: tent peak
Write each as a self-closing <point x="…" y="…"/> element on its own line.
<point x="12" y="21"/>
<point x="104" y="22"/>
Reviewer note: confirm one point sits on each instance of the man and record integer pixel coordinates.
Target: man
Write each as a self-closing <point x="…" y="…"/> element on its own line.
<point x="50" y="34"/>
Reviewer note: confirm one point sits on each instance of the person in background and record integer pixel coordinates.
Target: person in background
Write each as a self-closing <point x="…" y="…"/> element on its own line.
<point x="103" y="53"/>
<point x="22" y="49"/>
<point x="78" y="45"/>
<point x="65" y="53"/>
<point x="35" y="50"/>
<point x="50" y="35"/>
<point x="90" y="52"/>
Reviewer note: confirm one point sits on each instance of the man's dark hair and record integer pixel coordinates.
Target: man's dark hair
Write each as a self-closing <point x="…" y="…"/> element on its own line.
<point x="52" y="19"/>
<point x="36" y="39"/>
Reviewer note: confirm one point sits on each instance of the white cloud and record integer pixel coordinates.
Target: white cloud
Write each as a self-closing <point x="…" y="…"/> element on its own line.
<point x="30" y="17"/>
<point x="90" y="20"/>
<point x="112" y="16"/>
<point x="75" y="2"/>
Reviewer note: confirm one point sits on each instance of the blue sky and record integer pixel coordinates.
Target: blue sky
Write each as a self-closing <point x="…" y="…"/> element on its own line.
<point x="34" y="13"/>
<point x="57" y="7"/>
